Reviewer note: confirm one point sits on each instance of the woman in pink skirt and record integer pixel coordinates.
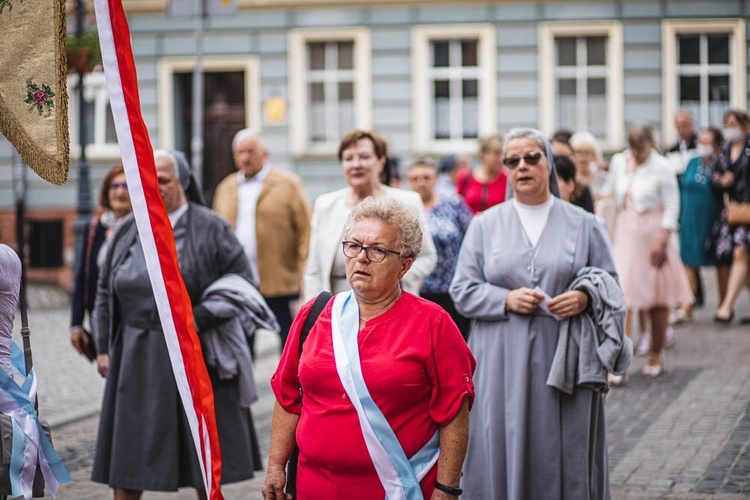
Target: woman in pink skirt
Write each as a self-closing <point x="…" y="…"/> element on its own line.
<point x="648" y="264"/>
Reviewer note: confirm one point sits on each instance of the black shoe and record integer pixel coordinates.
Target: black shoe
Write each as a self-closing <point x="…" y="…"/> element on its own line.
<point x="725" y="321"/>
<point x="745" y="320"/>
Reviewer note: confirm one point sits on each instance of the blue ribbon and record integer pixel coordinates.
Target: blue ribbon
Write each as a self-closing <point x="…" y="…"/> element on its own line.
<point x="404" y="467"/>
<point x="17" y="459"/>
<point x="21" y="399"/>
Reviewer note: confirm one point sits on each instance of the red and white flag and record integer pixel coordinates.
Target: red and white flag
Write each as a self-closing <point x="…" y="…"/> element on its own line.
<point x="155" y="231"/>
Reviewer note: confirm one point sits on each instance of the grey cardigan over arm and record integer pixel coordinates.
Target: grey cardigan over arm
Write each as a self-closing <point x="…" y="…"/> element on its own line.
<point x="594" y="342"/>
<point x="226" y="347"/>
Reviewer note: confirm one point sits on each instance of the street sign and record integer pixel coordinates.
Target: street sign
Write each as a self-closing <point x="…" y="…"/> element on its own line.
<point x="187" y="8"/>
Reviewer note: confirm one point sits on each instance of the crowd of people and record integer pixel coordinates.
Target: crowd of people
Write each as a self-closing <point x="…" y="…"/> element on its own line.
<point x="511" y="289"/>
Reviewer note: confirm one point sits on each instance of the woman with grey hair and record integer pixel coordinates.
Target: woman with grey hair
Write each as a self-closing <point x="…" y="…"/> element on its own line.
<point x="382" y="383"/>
<point x="143" y="442"/>
<point x="537" y="277"/>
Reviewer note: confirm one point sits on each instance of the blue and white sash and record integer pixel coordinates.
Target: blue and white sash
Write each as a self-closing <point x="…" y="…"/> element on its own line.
<point x="399" y="475"/>
<point x="30" y="444"/>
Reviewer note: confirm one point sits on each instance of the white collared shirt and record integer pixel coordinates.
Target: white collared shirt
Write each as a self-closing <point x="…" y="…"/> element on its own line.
<point x="247" y="203"/>
<point x="175" y="216"/>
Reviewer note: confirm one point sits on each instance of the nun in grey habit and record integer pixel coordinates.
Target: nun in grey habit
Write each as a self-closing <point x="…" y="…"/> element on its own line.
<point x="528" y="440"/>
<point x="144" y="441"/>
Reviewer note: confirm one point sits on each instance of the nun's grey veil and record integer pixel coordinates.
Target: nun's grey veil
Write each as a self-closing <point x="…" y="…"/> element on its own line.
<point x="539" y="137"/>
<point x="188" y="181"/>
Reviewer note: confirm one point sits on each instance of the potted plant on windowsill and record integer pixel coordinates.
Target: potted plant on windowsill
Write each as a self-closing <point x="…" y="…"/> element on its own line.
<point x="83" y="52"/>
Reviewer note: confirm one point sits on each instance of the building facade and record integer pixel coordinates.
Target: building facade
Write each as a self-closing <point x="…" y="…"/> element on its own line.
<point x="431" y="76"/>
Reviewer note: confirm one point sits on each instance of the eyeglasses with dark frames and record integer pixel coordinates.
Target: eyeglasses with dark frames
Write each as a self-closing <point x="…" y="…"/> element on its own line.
<point x="374" y="253"/>
<point x="115" y="185"/>
<point x="530" y="159"/>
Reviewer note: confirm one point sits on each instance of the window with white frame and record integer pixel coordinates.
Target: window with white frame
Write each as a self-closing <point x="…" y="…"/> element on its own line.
<point x="98" y="123"/>
<point x="330" y="87"/>
<point x="453" y="79"/>
<point x="705" y="71"/>
<point x="581" y="79"/>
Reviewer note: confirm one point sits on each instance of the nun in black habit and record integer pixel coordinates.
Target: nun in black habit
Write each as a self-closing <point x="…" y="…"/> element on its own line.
<point x="144" y="441"/>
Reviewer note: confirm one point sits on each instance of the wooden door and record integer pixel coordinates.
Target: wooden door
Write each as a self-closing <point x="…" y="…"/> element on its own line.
<point x="223" y="115"/>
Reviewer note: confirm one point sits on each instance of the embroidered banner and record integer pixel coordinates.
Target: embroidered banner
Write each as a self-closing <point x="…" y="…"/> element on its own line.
<point x="155" y="231"/>
<point x="33" y="84"/>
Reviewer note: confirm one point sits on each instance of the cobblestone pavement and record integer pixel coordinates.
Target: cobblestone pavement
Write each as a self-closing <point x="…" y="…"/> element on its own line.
<point x="684" y="435"/>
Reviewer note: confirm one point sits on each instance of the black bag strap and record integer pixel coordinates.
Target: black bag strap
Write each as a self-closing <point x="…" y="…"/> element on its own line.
<point x="25" y="331"/>
<point x="320" y="303"/>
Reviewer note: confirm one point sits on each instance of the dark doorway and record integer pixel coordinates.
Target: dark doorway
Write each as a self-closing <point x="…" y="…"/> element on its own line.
<point x="223" y="115"/>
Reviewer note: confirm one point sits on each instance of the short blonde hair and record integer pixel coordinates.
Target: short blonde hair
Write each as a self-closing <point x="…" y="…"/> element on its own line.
<point x="393" y="213"/>
<point x="586" y="140"/>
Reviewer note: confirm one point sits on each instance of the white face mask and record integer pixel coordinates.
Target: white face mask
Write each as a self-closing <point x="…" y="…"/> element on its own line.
<point x="732" y="134"/>
<point x="704" y="150"/>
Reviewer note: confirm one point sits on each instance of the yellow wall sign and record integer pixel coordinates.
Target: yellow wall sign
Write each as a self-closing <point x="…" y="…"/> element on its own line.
<point x="274" y="110"/>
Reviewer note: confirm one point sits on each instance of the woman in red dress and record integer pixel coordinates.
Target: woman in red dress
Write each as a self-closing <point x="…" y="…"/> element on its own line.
<point x="404" y="352"/>
<point x="487" y="185"/>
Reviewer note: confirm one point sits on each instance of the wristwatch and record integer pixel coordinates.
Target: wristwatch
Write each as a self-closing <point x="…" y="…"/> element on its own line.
<point x="448" y="489"/>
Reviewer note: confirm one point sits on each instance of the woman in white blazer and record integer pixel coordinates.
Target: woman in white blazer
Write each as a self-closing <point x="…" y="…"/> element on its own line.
<point x="648" y="264"/>
<point x="362" y="155"/>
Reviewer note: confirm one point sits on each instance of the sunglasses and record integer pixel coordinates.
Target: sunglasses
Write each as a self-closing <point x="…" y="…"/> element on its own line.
<point x="116" y="185"/>
<point x="530" y="159"/>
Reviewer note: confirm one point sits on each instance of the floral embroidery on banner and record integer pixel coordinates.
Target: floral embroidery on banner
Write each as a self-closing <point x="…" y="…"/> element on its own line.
<point x="39" y="98"/>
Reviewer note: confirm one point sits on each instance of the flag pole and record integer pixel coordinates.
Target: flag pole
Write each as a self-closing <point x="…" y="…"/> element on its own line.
<point x="83" y="206"/>
<point x="196" y="142"/>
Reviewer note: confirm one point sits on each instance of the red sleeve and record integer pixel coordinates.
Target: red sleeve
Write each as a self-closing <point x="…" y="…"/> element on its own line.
<point x="451" y="370"/>
<point x="285" y="381"/>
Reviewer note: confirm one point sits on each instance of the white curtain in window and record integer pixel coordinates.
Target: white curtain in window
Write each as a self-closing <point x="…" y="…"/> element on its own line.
<point x="442" y="118"/>
<point x="567" y="112"/>
<point x="346" y="117"/>
<point x="597" y="115"/>
<point x="471" y="117"/>
<point x="317" y="125"/>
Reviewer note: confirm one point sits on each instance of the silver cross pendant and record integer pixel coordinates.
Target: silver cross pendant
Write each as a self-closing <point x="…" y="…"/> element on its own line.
<point x="532" y="270"/>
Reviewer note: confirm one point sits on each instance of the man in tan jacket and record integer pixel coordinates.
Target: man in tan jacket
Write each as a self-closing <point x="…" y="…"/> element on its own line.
<point x="270" y="214"/>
